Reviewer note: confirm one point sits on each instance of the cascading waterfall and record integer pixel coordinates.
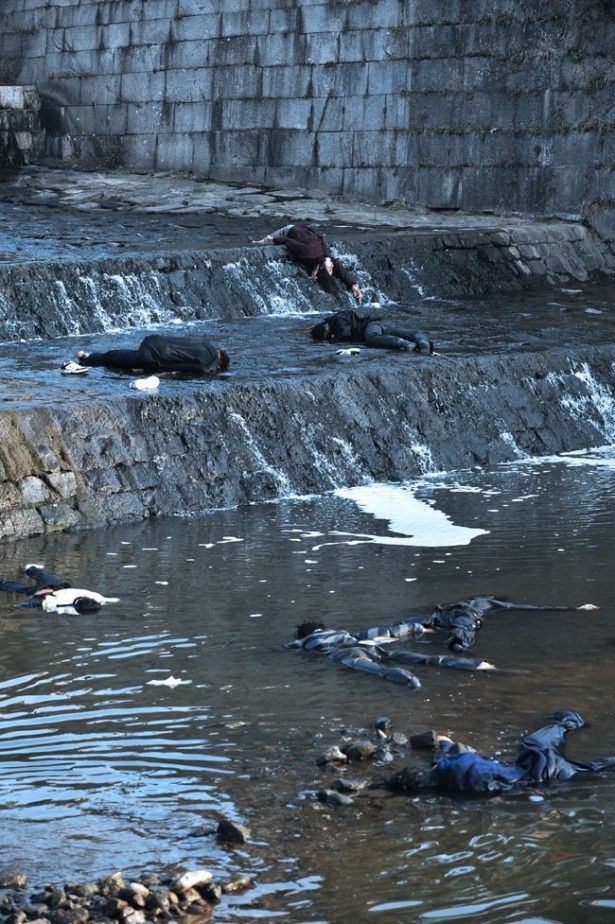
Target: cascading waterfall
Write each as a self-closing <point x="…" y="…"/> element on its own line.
<point x="62" y="299"/>
<point x="584" y="397"/>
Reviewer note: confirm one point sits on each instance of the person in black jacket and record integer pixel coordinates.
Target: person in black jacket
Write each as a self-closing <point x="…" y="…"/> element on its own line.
<point x="351" y="327"/>
<point x="309" y="249"/>
<point x="160" y="353"/>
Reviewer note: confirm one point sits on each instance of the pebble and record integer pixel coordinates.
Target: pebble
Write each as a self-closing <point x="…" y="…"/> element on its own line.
<point x="424" y="741"/>
<point x="333" y="797"/>
<point x="233" y="833"/>
<point x="343" y="784"/>
<point x="151" y="898"/>
<point x="237" y="884"/>
<point x="331" y="756"/>
<point x="198" y="877"/>
<point x="360" y="749"/>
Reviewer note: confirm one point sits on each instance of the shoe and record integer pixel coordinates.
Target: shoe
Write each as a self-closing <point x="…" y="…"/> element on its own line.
<point x="73" y="369"/>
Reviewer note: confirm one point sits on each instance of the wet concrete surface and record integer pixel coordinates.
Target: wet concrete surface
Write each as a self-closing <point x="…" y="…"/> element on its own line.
<point x="271" y="348"/>
<point x="67" y="215"/>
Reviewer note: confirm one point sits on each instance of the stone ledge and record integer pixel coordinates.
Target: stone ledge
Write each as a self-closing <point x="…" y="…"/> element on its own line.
<point x="226" y="446"/>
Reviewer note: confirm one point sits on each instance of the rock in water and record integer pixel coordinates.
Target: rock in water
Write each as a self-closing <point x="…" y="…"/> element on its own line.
<point x="332" y="755"/>
<point x="192" y="880"/>
<point x="333" y="797"/>
<point x="232" y="832"/>
<point x="424" y="741"/>
<point x="360" y="749"/>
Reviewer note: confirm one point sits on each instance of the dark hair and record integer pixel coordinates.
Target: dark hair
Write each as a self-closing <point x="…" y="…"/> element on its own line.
<point x="324" y="280"/>
<point x="224" y="360"/>
<point x="306" y="628"/>
<point x="320" y="331"/>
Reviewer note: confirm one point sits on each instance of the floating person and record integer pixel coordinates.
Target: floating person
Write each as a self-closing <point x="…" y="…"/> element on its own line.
<point x="458" y="770"/>
<point x="350" y="326"/>
<point x="309" y="249"/>
<point x="364" y="650"/>
<point x="157" y="353"/>
<point x="54" y="595"/>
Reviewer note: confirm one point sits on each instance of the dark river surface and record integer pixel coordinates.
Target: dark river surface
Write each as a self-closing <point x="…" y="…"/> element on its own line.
<point x="101" y="769"/>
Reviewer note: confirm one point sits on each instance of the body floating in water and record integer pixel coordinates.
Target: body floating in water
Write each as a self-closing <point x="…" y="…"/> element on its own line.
<point x="457" y="769"/>
<point x="365" y="650"/>
<point x="54" y="595"/>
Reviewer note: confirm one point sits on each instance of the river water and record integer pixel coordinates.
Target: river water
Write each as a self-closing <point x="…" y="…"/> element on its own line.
<point x="102" y="768"/>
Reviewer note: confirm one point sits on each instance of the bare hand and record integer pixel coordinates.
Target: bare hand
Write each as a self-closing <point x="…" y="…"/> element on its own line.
<point x="357" y="293"/>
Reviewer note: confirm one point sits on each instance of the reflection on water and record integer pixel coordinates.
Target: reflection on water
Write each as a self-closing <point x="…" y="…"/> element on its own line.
<point x="106" y="763"/>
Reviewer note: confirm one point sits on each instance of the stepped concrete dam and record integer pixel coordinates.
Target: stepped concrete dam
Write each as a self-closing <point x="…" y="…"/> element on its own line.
<point x="458" y="157"/>
<point x="519" y="310"/>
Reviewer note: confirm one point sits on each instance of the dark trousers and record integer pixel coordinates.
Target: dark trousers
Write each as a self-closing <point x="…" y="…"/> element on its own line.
<point x="124" y="360"/>
<point x="141" y="359"/>
<point x="382" y="335"/>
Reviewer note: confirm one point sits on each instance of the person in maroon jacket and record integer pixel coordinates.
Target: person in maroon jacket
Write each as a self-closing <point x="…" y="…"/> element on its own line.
<point x="309" y="249"/>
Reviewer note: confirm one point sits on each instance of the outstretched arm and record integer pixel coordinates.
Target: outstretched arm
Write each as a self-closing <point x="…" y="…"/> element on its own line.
<point x="278" y="237"/>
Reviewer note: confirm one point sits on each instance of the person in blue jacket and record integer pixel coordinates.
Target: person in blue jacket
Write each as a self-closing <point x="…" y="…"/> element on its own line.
<point x="457" y="770"/>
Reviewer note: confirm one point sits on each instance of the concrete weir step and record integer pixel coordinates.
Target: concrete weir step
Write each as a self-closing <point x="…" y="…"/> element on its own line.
<point x="294" y="416"/>
<point x="42" y="298"/>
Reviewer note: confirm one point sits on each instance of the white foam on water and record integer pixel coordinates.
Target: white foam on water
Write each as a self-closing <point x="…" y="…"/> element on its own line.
<point x="416" y="522"/>
<point x="602" y="457"/>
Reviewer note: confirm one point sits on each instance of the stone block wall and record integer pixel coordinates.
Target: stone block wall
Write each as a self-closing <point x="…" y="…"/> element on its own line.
<point x="454" y="104"/>
<point x="21" y="136"/>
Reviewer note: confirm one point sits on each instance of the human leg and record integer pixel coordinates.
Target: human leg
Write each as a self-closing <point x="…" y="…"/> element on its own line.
<point x="395" y="338"/>
<point x="123" y="360"/>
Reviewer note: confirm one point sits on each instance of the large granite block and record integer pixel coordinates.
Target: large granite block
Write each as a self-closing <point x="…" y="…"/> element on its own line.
<point x="287" y="81"/>
<point x="366" y="113"/>
<point x="193" y="54"/>
<point x="195" y="28"/>
<point x="325" y="18"/>
<point x="187" y="84"/>
<point x="336" y="149"/>
<point x="191" y="117"/>
<point x="142" y="87"/>
<point x="238" y="82"/>
<point x="247" y="22"/>
<point x="174" y="152"/>
<point x="290" y="148"/>
<point x="379" y="14"/>
<point x="293" y="113"/>
<point x="241" y="49"/>
<point x="389" y="77"/>
<point x="241" y="114"/>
